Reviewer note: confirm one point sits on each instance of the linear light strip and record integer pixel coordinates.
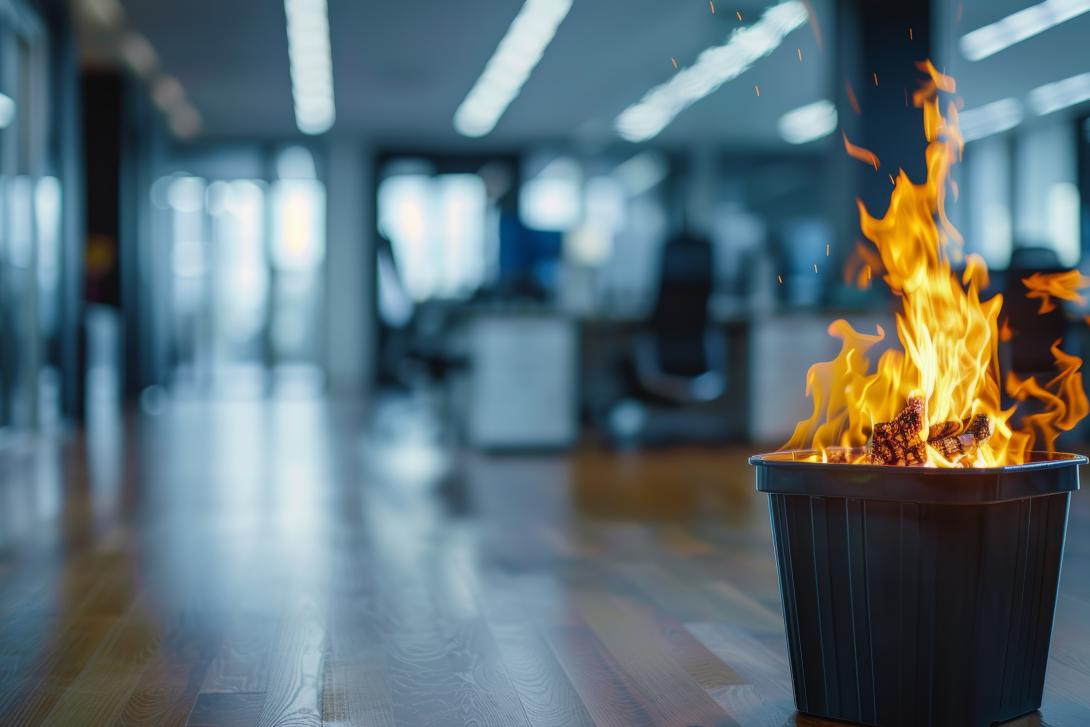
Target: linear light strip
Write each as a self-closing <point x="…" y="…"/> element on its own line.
<point x="518" y="53"/>
<point x="808" y="123"/>
<point x="1058" y="95"/>
<point x="714" y="67"/>
<point x="991" y="118"/>
<point x="311" y="64"/>
<point x="990" y="39"/>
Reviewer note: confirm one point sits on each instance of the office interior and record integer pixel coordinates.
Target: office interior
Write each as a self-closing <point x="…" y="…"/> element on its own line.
<point x="398" y="363"/>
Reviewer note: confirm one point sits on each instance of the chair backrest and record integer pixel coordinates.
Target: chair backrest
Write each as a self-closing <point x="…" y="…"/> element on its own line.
<point x="680" y="317"/>
<point x="1034" y="332"/>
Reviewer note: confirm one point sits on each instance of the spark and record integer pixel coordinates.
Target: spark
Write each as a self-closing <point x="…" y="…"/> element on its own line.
<point x="779" y="278"/>
<point x="674" y="61"/>
<point x="757" y="90"/>
<point x="815" y="267"/>
<point x="910" y="33"/>
<point x="875" y="76"/>
<point x="826" y="249"/>
<point x="711" y="4"/>
<point x="800" y="53"/>
<point x="739" y="14"/>
<point x="852" y="100"/>
<point x="892" y="180"/>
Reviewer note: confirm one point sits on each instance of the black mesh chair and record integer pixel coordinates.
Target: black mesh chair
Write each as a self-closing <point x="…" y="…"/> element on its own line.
<point x="680" y="358"/>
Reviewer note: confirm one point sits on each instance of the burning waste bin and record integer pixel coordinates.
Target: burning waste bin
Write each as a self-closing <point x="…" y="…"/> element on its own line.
<point x="916" y="595"/>
<point x="918" y="530"/>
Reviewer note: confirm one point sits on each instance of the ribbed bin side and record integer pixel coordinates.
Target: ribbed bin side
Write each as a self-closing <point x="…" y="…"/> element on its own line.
<point x="918" y="614"/>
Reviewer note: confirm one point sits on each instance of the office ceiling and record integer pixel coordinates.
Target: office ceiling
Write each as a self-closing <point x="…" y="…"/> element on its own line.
<point x="402" y="68"/>
<point x="1052" y="56"/>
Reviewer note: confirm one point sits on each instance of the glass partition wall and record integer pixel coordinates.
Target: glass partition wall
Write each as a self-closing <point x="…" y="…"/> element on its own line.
<point x="30" y="255"/>
<point x="241" y="286"/>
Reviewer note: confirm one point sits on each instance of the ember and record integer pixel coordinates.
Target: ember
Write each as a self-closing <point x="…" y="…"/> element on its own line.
<point x="937" y="400"/>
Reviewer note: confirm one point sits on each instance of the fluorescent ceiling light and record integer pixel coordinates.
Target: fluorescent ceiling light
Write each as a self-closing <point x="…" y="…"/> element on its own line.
<point x="1034" y="20"/>
<point x="311" y="65"/>
<point x="808" y="123"/>
<point x="991" y="118"/>
<point x="714" y="67"/>
<point x="515" y="58"/>
<point x="1059" y="95"/>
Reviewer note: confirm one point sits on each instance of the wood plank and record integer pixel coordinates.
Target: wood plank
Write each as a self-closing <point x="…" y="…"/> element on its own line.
<point x="354" y="691"/>
<point x="610" y="695"/>
<point x="354" y="684"/>
<point x="295" y="672"/>
<point x="676" y="696"/>
<point x="227" y="709"/>
<point x="450" y="673"/>
<point x="59" y="662"/>
<point x="242" y="662"/>
<point x="544" y="689"/>
<point x="99" y="693"/>
<point x="169" y="686"/>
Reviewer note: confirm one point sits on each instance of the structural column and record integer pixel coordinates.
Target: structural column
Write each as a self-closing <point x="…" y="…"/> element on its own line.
<point x="350" y="254"/>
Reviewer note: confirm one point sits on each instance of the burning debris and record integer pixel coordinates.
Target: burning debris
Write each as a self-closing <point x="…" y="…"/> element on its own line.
<point x="898" y="441"/>
<point x="901" y="441"/>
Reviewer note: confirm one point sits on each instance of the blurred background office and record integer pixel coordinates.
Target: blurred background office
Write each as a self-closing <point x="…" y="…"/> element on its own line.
<point x="385" y="358"/>
<point x="550" y="223"/>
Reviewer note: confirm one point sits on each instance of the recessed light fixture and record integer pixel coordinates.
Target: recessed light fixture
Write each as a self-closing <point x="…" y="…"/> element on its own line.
<point x="808" y="123"/>
<point x="167" y="92"/>
<point x="139" y="54"/>
<point x="1016" y="27"/>
<point x="311" y="65"/>
<point x="714" y="67"/>
<point x="1059" y="95"/>
<point x="107" y="13"/>
<point x="515" y="58"/>
<point x="991" y="118"/>
<point x="185" y="121"/>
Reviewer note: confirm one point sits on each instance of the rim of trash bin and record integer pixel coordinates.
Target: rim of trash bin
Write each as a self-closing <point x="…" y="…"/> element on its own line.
<point x="792" y="458"/>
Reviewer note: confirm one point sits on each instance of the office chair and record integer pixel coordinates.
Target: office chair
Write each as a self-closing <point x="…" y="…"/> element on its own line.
<point x="679" y="358"/>
<point x="1034" y="333"/>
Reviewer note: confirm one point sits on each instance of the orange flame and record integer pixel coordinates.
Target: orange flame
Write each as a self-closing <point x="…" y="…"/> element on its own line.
<point x="858" y="152"/>
<point x="1065" y="286"/>
<point x="949" y="337"/>
<point x="1063" y="397"/>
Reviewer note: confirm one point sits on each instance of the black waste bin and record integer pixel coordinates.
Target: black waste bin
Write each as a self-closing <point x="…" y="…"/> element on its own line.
<point x="917" y="595"/>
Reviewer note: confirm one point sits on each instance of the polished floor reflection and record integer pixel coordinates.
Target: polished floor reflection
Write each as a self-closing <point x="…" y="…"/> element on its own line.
<point x="293" y="563"/>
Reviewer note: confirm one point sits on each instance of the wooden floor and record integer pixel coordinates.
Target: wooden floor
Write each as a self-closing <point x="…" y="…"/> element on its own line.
<point x="260" y="564"/>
